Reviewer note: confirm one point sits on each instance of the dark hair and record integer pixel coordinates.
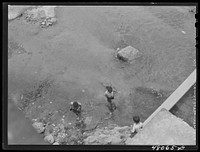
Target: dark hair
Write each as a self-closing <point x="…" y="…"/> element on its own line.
<point x="109" y="88"/>
<point x="75" y="104"/>
<point x="136" y="119"/>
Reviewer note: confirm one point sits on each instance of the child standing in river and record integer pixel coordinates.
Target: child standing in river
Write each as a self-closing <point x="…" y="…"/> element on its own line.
<point x="110" y="96"/>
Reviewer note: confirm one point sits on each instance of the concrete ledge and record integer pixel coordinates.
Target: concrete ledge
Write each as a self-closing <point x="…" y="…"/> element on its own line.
<point x="165" y="129"/>
<point x="175" y="96"/>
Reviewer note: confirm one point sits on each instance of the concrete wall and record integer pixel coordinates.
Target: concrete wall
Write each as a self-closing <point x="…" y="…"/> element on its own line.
<point x="165" y="129"/>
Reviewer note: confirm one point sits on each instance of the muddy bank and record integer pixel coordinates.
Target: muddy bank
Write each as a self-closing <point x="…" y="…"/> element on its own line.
<point x="77" y="54"/>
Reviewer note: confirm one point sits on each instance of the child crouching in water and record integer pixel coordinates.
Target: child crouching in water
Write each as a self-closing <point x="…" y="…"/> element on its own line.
<point x="137" y="126"/>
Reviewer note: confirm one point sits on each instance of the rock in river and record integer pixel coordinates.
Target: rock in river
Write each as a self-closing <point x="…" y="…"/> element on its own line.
<point x="39" y="127"/>
<point x="49" y="138"/>
<point x="128" y="54"/>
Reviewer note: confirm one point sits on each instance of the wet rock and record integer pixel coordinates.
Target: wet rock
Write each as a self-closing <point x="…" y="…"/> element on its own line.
<point x="48" y="130"/>
<point x="47" y="22"/>
<point x="128" y="54"/>
<point x="49" y="139"/>
<point x="16" y="11"/>
<point x="39" y="127"/>
<point x="45" y="16"/>
<point x="60" y="137"/>
<point x="56" y="143"/>
<point x="112" y="134"/>
<point x="88" y="120"/>
<point x="53" y="20"/>
<point x="115" y="140"/>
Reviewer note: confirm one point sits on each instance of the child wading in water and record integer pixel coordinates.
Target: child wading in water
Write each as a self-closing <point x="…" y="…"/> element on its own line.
<point x="76" y="108"/>
<point x="110" y="96"/>
<point x="137" y="126"/>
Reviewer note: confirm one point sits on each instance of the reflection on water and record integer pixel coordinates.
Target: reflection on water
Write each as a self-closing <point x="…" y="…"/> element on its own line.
<point x="20" y="130"/>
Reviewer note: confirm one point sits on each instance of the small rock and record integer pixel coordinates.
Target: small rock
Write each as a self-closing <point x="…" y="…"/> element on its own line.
<point x="53" y="20"/>
<point x="50" y="23"/>
<point x="183" y="32"/>
<point x="47" y="23"/>
<point x="56" y="143"/>
<point x="39" y="127"/>
<point x="49" y="138"/>
<point x="34" y="120"/>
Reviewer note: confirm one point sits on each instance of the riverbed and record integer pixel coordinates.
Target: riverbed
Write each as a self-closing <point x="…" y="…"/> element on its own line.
<point x="77" y="54"/>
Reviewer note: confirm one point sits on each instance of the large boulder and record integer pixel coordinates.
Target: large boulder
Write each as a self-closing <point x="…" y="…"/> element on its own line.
<point x="128" y="54"/>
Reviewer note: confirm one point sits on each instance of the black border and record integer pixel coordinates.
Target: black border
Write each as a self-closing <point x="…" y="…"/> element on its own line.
<point x="5" y="145"/>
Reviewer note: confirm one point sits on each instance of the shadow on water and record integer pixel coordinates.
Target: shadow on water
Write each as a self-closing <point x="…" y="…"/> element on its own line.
<point x="184" y="108"/>
<point x="141" y="101"/>
<point x="145" y="101"/>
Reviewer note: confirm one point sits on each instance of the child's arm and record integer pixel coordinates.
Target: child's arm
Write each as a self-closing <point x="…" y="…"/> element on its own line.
<point x="133" y="128"/>
<point x="141" y="125"/>
<point x="79" y="107"/>
<point x="106" y="93"/>
<point x="115" y="90"/>
<point x="71" y="104"/>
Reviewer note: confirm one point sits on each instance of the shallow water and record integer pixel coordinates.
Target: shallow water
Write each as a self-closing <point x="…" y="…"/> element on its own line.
<point x="20" y="130"/>
<point x="78" y="51"/>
